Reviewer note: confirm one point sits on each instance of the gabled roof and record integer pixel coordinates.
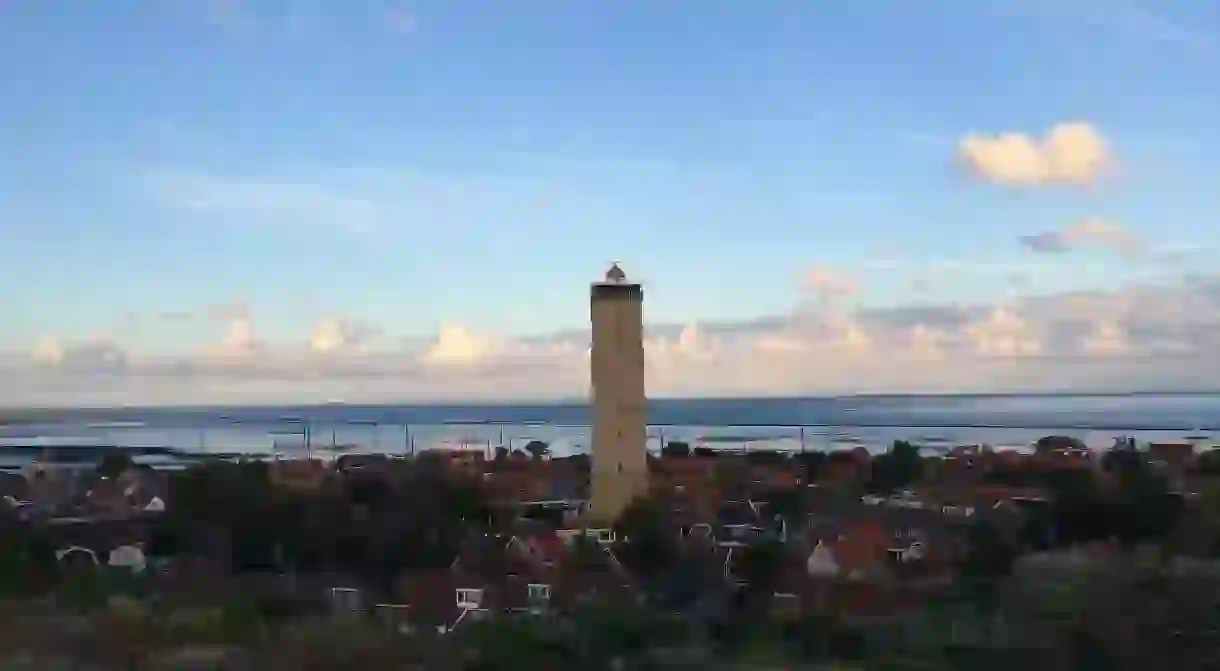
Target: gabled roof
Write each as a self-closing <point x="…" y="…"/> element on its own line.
<point x="736" y="513"/>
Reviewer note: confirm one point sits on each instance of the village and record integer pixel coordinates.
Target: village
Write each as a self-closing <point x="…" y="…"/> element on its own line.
<point x="453" y="541"/>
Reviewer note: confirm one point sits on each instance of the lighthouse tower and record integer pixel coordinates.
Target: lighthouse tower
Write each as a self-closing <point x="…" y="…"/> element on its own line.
<point x="620" y="461"/>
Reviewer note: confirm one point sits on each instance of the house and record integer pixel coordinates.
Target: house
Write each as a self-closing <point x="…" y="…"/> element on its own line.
<point x="359" y="464"/>
<point x="444" y="599"/>
<point x="534" y="480"/>
<point x="681" y="474"/>
<point x="1176" y="458"/>
<point x="108" y="497"/>
<point x="846" y="467"/>
<point x="806" y="581"/>
<point x="764" y="477"/>
<point x="880" y="543"/>
<point x="739" y="523"/>
<point x="462" y="462"/>
<point x="590" y="571"/>
<point x="302" y="474"/>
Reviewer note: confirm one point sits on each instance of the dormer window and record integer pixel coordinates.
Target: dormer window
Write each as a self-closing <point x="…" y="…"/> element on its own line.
<point x="539" y="592"/>
<point x="469" y="598"/>
<point x="602" y="536"/>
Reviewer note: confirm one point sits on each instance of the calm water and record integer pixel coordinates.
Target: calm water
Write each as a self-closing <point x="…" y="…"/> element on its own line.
<point x="786" y="423"/>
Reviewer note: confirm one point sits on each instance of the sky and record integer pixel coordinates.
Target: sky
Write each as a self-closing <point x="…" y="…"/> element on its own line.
<point x="270" y="201"/>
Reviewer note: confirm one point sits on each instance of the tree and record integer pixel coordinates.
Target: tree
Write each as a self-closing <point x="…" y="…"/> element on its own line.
<point x="760" y="566"/>
<point x="785" y="503"/>
<point x="1079" y="513"/>
<point x="899" y="467"/>
<point x="676" y="448"/>
<point x="537" y="449"/>
<point x="988" y="560"/>
<point x="1052" y="443"/>
<point x="1145" y="509"/>
<point x="113" y="464"/>
<point x="1208" y="463"/>
<point x="27" y="559"/>
<point x="811" y="464"/>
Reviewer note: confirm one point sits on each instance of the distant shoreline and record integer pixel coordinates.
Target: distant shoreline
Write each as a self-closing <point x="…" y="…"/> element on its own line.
<point x="14" y="414"/>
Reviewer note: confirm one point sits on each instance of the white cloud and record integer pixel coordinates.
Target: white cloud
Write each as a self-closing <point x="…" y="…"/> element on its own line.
<point x="240" y="339"/>
<point x="1107" y="339"/>
<point x="89" y="357"/>
<point x="1073" y="154"/>
<point x="49" y="350"/>
<point x="1155" y="335"/>
<point x="1004" y="333"/>
<point x="336" y="335"/>
<point x="924" y="343"/>
<point x="459" y="346"/>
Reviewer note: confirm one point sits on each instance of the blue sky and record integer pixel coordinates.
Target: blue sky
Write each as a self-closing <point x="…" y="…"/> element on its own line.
<point x="408" y="165"/>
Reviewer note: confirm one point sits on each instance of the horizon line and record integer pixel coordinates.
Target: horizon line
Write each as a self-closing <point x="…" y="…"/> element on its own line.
<point x="585" y="402"/>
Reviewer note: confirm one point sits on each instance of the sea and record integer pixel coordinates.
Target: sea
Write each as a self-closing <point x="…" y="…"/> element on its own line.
<point x="168" y="435"/>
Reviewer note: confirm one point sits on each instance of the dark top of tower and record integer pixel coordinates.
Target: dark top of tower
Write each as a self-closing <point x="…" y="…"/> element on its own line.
<point x="615" y="285"/>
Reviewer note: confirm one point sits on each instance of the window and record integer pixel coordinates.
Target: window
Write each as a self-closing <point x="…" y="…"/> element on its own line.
<point x="539" y="592"/>
<point x="469" y="597"/>
<point x="345" y="598"/>
<point x="601" y="535"/>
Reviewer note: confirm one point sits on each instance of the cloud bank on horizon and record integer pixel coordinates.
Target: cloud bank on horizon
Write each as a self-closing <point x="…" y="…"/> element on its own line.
<point x="414" y="221"/>
<point x="1145" y="337"/>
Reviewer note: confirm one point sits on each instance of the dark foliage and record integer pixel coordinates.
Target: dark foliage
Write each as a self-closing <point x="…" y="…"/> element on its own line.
<point x="898" y="468"/>
<point x="537" y="449"/>
<point x="676" y="448"/>
<point x="113" y="464"/>
<point x="766" y="457"/>
<point x="1051" y="443"/>
<point x="811" y="464"/>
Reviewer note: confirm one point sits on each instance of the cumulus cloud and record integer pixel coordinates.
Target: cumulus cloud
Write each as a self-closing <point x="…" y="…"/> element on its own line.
<point x="1107" y="339"/>
<point x="1072" y="154"/>
<point x="336" y="335"/>
<point x="1160" y="336"/>
<point x="459" y="346"/>
<point x="1091" y="232"/>
<point x="1004" y="333"/>
<point x="52" y="353"/>
<point x="240" y="340"/>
